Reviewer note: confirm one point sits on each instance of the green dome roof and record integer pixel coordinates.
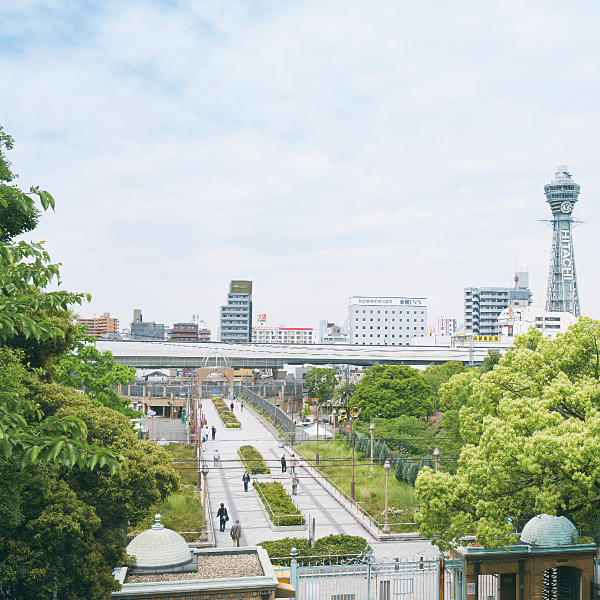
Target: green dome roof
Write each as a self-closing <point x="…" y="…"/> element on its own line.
<point x="546" y="530"/>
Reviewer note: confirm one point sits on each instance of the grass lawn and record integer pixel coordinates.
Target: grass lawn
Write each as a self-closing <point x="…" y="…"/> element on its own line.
<point x="182" y="510"/>
<point x="335" y="461"/>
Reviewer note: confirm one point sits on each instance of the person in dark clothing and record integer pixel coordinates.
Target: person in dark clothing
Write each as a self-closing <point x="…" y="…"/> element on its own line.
<point x="223" y="517"/>
<point x="231" y="406"/>
<point x="283" y="464"/>
<point x="246" y="480"/>
<point x="214" y="432"/>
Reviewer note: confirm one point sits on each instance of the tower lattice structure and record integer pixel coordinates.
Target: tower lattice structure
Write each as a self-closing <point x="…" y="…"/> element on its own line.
<point x="562" y="194"/>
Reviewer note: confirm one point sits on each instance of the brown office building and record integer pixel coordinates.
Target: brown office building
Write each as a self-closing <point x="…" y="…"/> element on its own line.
<point x="100" y="326"/>
<point x="184" y="332"/>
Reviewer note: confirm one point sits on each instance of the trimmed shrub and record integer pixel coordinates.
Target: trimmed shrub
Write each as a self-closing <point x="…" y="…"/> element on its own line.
<point x="280" y="504"/>
<point x="383" y="455"/>
<point x="398" y="468"/>
<point x="253" y="460"/>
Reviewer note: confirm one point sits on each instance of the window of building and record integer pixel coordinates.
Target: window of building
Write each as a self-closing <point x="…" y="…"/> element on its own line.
<point x="378" y="335"/>
<point x="371" y="335"/>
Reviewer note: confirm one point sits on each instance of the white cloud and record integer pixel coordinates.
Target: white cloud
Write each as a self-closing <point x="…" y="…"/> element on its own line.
<point x="323" y="149"/>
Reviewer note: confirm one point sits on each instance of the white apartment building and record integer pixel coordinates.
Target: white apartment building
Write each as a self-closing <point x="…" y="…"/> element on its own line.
<point x="263" y="334"/>
<point x="386" y="321"/>
<point x="515" y="320"/>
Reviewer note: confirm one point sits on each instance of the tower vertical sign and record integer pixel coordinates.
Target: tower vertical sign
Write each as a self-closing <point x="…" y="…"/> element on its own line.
<point x="562" y="294"/>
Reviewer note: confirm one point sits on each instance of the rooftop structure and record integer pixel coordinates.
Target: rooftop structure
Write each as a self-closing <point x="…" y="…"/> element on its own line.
<point x="561" y="194"/>
<point x="517" y="320"/>
<point x="146" y="331"/>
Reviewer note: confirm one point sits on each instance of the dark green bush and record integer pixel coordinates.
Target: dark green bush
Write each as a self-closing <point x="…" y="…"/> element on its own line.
<point x="280" y="504"/>
<point x="254" y="461"/>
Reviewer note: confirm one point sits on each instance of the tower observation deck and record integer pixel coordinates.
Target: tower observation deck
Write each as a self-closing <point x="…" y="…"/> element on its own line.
<point x="562" y="294"/>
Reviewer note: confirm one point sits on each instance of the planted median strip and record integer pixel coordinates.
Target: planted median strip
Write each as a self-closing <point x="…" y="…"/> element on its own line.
<point x="253" y="460"/>
<point x="227" y="417"/>
<point x="278" y="505"/>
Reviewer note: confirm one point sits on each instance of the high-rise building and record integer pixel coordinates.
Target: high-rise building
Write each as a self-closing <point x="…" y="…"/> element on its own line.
<point x="99" y="326"/>
<point x="146" y="331"/>
<point x="483" y="305"/>
<point x="322" y="329"/>
<point x="236" y="315"/>
<point x="562" y="294"/>
<point x="386" y="321"/>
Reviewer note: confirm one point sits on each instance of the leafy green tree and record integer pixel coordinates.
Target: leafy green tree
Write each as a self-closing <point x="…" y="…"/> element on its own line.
<point x="389" y="391"/>
<point x="343" y="394"/>
<point x="532" y="427"/>
<point x="321" y="383"/>
<point x="437" y="375"/>
<point x="97" y="374"/>
<point x="17" y="217"/>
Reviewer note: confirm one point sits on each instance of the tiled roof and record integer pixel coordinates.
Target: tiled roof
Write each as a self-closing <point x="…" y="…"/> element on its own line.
<point x="546" y="530"/>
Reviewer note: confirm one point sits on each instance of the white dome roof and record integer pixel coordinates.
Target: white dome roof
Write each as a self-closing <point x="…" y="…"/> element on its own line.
<point x="159" y="547"/>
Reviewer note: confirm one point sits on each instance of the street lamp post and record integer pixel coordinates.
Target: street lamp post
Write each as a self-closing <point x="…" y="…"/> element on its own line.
<point x="203" y="535"/>
<point x="372" y="429"/>
<point x="199" y="446"/>
<point x="317" y="455"/>
<point x="333" y="415"/>
<point x="352" y="482"/>
<point x="436" y="456"/>
<point x="386" y="466"/>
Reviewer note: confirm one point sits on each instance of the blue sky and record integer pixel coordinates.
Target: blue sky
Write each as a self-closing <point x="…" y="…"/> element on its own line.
<point x="322" y="149"/>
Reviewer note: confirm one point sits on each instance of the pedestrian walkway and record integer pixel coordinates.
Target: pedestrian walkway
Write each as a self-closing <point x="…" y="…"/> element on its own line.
<point x="225" y="485"/>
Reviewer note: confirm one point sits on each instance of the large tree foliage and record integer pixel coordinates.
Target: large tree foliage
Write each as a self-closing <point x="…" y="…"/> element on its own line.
<point x="389" y="391"/>
<point x="437" y="375"/>
<point x="343" y="394"/>
<point x="321" y="383"/>
<point x="97" y="374"/>
<point x="532" y="432"/>
<point x="15" y="218"/>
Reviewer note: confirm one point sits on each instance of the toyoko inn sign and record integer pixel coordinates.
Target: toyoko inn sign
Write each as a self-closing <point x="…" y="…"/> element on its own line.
<point x="394" y="301"/>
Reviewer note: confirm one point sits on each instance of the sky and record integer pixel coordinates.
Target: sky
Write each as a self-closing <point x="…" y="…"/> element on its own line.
<point x="323" y="149"/>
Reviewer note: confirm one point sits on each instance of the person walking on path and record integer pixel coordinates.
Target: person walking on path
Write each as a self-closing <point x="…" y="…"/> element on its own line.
<point x="242" y="406"/>
<point x="295" y="482"/>
<point x="283" y="464"/>
<point x="293" y="463"/>
<point x="231" y="407"/>
<point x="236" y="533"/>
<point x="246" y="480"/>
<point x="214" y="432"/>
<point x="223" y="517"/>
<point x="216" y="457"/>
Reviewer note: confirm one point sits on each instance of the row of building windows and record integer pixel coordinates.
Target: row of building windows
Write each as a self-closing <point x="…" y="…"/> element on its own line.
<point x="394" y="320"/>
<point x="386" y="335"/>
<point x="393" y="312"/>
<point x="378" y="327"/>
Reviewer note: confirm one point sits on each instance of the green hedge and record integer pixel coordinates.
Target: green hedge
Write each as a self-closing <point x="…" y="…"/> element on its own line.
<point x="255" y="463"/>
<point x="341" y="545"/>
<point x="280" y="503"/>
<point x="229" y="419"/>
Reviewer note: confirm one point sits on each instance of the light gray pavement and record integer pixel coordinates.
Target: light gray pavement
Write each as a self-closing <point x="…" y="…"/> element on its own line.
<point x="225" y="485"/>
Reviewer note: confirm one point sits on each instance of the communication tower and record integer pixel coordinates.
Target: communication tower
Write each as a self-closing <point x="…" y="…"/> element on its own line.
<point x="562" y="194"/>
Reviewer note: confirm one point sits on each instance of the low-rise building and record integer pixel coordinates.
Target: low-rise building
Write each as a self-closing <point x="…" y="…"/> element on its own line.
<point x="147" y="331"/>
<point x="515" y="320"/>
<point x="184" y="332"/>
<point x="263" y="334"/>
<point x="100" y="326"/>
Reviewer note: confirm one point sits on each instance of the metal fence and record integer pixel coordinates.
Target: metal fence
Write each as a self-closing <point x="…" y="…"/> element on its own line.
<point x="366" y="578"/>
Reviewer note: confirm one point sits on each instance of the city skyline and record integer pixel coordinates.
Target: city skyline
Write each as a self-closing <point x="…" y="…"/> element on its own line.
<point x="322" y="151"/>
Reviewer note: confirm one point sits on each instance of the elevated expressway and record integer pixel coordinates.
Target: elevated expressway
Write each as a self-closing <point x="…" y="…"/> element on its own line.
<point x="156" y="355"/>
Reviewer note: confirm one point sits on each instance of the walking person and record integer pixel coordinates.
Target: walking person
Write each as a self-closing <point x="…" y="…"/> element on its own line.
<point x="295" y="482"/>
<point x="236" y="533"/>
<point x="242" y="407"/>
<point x="216" y="457"/>
<point x="293" y="463"/>
<point x="214" y="432"/>
<point x="231" y="406"/>
<point x="246" y="480"/>
<point x="223" y="517"/>
<point x="283" y="464"/>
